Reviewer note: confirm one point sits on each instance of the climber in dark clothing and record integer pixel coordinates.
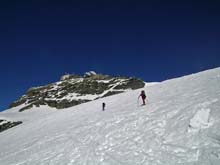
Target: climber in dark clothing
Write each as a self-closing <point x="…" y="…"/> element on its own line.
<point x="103" y="106"/>
<point x="143" y="96"/>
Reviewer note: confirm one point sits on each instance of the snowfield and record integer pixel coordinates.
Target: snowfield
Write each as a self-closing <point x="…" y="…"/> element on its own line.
<point x="179" y="125"/>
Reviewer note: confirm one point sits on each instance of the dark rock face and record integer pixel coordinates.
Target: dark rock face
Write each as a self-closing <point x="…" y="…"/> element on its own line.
<point x="4" y="125"/>
<point x="132" y="83"/>
<point x="72" y="90"/>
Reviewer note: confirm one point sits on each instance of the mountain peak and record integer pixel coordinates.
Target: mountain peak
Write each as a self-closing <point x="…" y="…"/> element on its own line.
<point x="74" y="89"/>
<point x="90" y="73"/>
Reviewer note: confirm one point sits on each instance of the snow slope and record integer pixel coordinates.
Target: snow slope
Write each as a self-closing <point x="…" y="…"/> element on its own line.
<point x="179" y="125"/>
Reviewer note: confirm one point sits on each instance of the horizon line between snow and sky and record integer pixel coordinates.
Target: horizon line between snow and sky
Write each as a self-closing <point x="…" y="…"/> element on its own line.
<point x="151" y="40"/>
<point x="56" y="78"/>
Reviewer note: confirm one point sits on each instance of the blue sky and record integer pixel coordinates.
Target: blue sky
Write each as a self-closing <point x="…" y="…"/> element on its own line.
<point x="154" y="40"/>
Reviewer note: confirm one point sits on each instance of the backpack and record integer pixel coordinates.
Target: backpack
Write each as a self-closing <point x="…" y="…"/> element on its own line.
<point x="143" y="95"/>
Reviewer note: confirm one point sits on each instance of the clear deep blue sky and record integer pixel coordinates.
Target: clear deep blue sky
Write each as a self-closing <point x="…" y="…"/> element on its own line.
<point x="153" y="40"/>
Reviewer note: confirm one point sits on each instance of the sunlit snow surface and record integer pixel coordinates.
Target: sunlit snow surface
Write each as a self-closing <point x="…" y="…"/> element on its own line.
<point x="179" y="125"/>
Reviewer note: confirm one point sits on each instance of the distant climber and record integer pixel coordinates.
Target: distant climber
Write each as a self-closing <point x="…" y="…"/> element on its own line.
<point x="143" y="96"/>
<point x="103" y="106"/>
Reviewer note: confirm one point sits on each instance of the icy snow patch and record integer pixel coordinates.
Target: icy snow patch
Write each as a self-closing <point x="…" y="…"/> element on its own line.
<point x="200" y="120"/>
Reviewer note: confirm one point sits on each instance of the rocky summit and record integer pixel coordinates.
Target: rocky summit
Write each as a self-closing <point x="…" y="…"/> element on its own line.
<point x="74" y="89"/>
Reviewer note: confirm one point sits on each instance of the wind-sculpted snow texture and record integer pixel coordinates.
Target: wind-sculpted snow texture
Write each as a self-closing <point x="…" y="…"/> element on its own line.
<point x="179" y="125"/>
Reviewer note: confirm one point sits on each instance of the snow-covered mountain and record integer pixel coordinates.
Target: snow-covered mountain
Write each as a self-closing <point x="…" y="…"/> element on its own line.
<point x="72" y="90"/>
<point x="179" y="125"/>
